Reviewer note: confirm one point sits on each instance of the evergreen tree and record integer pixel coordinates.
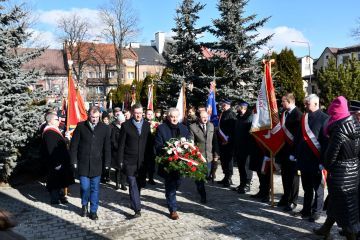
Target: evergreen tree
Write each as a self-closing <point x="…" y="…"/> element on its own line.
<point x="20" y="113"/>
<point x="287" y="75"/>
<point x="342" y="80"/>
<point x="184" y="55"/>
<point x="150" y="79"/>
<point x="237" y="46"/>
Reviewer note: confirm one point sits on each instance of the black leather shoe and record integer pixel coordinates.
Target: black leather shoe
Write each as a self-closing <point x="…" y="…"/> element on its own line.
<point x="93" y="216"/>
<point x="152" y="182"/>
<point x="203" y="200"/>
<point x="259" y="195"/>
<point x="281" y="204"/>
<point x="314" y="217"/>
<point x="265" y="199"/>
<point x="221" y="181"/>
<point x="137" y="214"/>
<point x="64" y="200"/>
<point x="123" y="188"/>
<point x="289" y="207"/>
<point x="244" y="189"/>
<point x="84" y="211"/>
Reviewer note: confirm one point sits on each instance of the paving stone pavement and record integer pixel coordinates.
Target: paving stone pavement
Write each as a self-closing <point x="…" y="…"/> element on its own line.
<point x="227" y="215"/>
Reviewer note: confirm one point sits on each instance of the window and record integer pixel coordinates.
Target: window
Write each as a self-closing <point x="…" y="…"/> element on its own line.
<point x="91" y="75"/>
<point x="145" y="74"/>
<point x="345" y="59"/>
<point x="100" y="74"/>
<point x="99" y="90"/>
<point x="110" y="74"/>
<point x="131" y="75"/>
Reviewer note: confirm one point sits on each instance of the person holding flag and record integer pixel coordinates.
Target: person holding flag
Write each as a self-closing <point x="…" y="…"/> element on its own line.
<point x="211" y="106"/>
<point x="290" y="123"/>
<point x="267" y="131"/>
<point x="308" y="144"/>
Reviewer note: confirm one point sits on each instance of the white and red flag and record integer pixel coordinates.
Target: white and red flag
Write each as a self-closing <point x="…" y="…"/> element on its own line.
<point x="181" y="103"/>
<point x="266" y="127"/>
<point x="150" y="104"/>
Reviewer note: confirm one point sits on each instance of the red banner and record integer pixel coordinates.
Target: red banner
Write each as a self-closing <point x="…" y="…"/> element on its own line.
<point x="76" y="111"/>
<point x="266" y="126"/>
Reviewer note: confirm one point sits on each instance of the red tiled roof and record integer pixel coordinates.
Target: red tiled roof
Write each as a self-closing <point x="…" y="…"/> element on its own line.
<point x="103" y="53"/>
<point x="51" y="61"/>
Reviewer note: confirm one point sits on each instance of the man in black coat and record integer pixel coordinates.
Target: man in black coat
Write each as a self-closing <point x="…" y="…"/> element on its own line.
<point x="120" y="178"/>
<point x="58" y="159"/>
<point x="90" y="145"/>
<point x="225" y="133"/>
<point x="171" y="128"/>
<point x="242" y="146"/>
<point x="134" y="146"/>
<point x="149" y="117"/>
<point x="291" y="125"/>
<point x="309" y="142"/>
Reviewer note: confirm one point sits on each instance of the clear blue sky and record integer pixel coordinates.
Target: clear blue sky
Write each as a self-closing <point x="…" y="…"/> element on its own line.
<point x="322" y="23"/>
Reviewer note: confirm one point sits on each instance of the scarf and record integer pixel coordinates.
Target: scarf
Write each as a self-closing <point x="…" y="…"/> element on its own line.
<point x="138" y="125"/>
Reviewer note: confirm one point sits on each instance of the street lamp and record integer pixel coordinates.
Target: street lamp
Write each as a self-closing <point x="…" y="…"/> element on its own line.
<point x="308" y="45"/>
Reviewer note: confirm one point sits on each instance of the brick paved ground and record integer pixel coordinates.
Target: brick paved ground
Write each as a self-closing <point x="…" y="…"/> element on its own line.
<point x="227" y="215"/>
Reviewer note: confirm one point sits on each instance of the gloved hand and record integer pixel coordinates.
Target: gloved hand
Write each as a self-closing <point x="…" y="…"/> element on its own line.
<point x="58" y="167"/>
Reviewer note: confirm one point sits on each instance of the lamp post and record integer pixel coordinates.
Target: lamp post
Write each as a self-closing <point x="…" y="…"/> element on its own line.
<point x="308" y="45"/>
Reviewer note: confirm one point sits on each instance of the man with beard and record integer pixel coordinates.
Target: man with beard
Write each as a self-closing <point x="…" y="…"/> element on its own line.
<point x="242" y="146"/>
<point x="225" y="134"/>
<point x="290" y="122"/>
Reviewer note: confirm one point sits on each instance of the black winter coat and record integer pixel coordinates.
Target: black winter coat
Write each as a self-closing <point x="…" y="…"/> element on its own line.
<point x="89" y="149"/>
<point x="133" y="148"/>
<point x="342" y="163"/>
<point x="55" y="153"/>
<point x="164" y="134"/>
<point x="227" y="125"/>
<point x="242" y="139"/>
<point x="115" y="138"/>
<point x="307" y="161"/>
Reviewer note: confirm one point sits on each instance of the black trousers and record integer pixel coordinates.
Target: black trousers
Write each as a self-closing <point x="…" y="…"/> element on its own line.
<point x="246" y="174"/>
<point x="226" y="158"/>
<point x="120" y="177"/>
<point x="200" y="186"/>
<point x="311" y="182"/>
<point x="151" y="168"/>
<point x="264" y="180"/>
<point x="290" y="181"/>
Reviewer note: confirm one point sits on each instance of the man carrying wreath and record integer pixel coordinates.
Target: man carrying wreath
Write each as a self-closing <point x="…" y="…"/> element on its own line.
<point x="171" y="128"/>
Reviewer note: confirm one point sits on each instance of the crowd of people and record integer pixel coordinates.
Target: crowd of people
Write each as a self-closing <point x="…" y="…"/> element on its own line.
<point x="321" y="150"/>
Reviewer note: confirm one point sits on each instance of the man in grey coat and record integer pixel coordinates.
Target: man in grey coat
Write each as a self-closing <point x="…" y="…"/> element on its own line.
<point x="204" y="136"/>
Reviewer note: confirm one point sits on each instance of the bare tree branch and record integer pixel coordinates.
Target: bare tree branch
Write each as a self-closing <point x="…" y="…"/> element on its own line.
<point x="74" y="32"/>
<point x="121" y="26"/>
<point x="355" y="32"/>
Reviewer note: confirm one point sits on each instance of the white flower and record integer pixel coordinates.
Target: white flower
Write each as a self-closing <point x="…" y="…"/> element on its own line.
<point x="183" y="140"/>
<point x="186" y="146"/>
<point x="179" y="150"/>
<point x="177" y="143"/>
<point x="169" y="151"/>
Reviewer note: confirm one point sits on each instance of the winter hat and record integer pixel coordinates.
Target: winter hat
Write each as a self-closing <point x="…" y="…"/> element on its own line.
<point x="338" y="109"/>
<point x="226" y="101"/>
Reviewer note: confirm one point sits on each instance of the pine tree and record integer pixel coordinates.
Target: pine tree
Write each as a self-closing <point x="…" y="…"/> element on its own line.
<point x="342" y="80"/>
<point x="237" y="45"/>
<point x="184" y="55"/>
<point x="287" y="75"/>
<point x="20" y="113"/>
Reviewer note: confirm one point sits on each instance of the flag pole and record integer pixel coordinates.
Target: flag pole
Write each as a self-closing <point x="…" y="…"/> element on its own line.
<point x="272" y="178"/>
<point x="70" y="63"/>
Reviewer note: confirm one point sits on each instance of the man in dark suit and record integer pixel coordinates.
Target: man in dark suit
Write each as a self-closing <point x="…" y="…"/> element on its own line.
<point x="171" y="128"/>
<point x="205" y="137"/>
<point x="242" y="146"/>
<point x="225" y="134"/>
<point x="291" y="124"/>
<point x="58" y="159"/>
<point x="134" y="146"/>
<point x="308" y="144"/>
<point x="90" y="145"/>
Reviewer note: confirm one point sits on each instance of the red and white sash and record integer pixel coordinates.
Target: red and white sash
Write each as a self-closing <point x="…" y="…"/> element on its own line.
<point x="309" y="136"/>
<point x="288" y="136"/>
<point x="52" y="128"/>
